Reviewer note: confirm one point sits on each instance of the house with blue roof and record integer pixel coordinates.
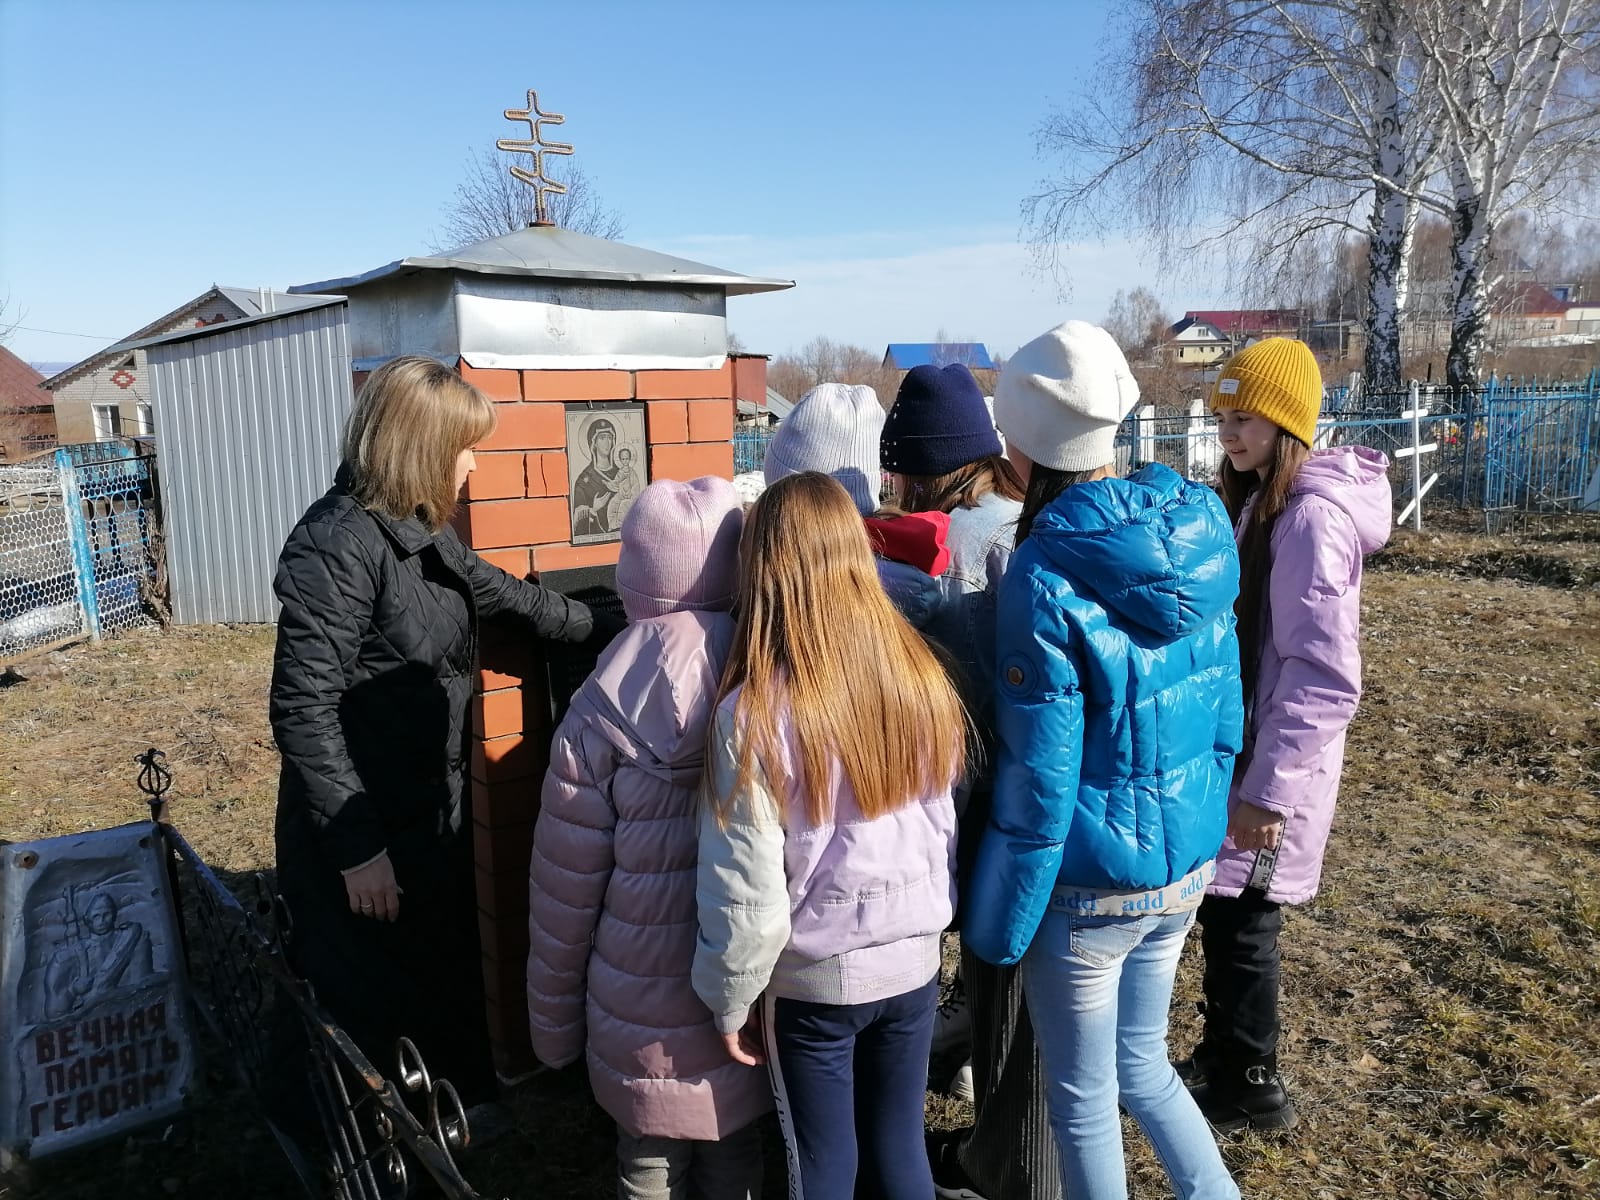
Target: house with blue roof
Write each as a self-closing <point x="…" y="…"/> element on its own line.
<point x="902" y="356"/>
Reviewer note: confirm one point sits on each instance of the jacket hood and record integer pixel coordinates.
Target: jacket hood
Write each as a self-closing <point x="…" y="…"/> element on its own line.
<point x="655" y="686"/>
<point x="1155" y="549"/>
<point x="1356" y="479"/>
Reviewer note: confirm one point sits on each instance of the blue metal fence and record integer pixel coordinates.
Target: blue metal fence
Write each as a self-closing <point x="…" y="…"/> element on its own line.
<point x="1510" y="449"/>
<point x="1541" y="449"/>
<point x="750" y="447"/>
<point x="79" y="550"/>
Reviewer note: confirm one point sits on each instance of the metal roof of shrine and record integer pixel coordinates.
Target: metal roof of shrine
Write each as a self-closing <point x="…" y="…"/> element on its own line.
<point x="550" y="252"/>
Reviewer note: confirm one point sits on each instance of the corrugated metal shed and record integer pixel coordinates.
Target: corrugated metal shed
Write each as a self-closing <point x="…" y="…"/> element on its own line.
<point x="247" y="423"/>
<point x="902" y="356"/>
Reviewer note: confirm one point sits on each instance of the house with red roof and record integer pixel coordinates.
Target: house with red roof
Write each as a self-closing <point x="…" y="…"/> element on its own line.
<point x="27" y="417"/>
<point x="1519" y="311"/>
<point x="1206" y="336"/>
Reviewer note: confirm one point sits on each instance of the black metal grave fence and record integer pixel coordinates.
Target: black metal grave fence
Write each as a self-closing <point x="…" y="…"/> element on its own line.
<point x="364" y="1141"/>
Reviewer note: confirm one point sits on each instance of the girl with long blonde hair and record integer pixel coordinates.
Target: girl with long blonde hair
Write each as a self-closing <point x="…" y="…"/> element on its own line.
<point x="827" y="844"/>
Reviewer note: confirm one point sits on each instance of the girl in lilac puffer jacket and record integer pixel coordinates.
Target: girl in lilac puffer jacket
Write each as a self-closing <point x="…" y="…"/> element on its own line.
<point x="1304" y="520"/>
<point x="612" y="917"/>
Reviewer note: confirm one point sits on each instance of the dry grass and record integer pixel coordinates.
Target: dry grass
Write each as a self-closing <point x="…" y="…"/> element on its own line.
<point x="1442" y="995"/>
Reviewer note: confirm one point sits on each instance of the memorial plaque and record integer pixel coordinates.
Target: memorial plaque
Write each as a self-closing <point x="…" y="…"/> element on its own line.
<point x="93" y="999"/>
<point x="607" y="467"/>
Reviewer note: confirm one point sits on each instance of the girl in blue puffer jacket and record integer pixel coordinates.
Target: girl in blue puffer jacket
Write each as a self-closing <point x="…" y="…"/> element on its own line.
<point x="1119" y="715"/>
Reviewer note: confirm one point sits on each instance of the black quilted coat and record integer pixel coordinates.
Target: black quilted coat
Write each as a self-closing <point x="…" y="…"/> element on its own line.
<point x="377" y="642"/>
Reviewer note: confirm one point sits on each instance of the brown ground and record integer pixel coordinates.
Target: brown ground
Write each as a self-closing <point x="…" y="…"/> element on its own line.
<point x="1442" y="995"/>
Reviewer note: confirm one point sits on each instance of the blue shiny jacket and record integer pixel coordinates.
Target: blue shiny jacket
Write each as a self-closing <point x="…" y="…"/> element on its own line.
<point x="1117" y="701"/>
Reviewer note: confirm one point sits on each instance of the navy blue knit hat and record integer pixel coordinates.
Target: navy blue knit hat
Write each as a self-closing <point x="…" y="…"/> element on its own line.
<point x="939" y="423"/>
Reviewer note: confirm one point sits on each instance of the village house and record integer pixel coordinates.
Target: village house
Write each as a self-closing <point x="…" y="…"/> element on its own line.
<point x="27" y="418"/>
<point x="107" y="395"/>
<point x="1207" y="336"/>
<point x="1520" y="312"/>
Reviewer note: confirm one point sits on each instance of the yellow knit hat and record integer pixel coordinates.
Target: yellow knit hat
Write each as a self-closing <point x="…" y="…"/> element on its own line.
<point x="1278" y="378"/>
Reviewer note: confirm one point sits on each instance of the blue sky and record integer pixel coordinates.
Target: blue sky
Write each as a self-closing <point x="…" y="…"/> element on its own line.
<point x="877" y="153"/>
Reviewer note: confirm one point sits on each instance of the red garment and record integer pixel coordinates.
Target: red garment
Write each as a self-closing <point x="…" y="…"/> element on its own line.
<point x="916" y="539"/>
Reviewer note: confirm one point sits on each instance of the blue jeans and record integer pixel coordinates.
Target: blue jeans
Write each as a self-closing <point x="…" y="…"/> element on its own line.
<point x="1098" y="989"/>
<point x="850" y="1081"/>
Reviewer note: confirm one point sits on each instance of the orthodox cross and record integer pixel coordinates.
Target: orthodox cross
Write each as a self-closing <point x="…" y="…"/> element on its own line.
<point x="541" y="184"/>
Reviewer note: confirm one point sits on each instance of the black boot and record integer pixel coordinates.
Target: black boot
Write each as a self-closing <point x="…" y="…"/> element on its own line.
<point x="1202" y="1063"/>
<point x="1250" y="1093"/>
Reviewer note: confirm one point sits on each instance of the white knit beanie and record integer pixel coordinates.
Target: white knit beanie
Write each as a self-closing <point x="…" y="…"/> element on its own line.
<point x="680" y="548"/>
<point x="1062" y="396"/>
<point x="834" y="429"/>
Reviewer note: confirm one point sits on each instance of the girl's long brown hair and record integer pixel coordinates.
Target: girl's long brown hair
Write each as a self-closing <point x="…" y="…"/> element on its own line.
<point x="964" y="487"/>
<point x="818" y="637"/>
<point x="1255" y="545"/>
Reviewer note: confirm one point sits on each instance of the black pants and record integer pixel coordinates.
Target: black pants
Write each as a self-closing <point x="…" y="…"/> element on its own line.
<point x="420" y="977"/>
<point x="1011" y="1153"/>
<point x="1239" y="935"/>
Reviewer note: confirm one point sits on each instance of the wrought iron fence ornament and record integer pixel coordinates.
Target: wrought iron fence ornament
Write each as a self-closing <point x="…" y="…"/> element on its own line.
<point x="154" y="779"/>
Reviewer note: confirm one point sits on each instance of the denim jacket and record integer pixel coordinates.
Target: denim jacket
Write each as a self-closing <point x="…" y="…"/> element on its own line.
<point x="957" y="609"/>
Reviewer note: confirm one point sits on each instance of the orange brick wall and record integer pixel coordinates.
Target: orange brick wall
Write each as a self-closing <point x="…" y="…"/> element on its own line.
<point x="515" y="514"/>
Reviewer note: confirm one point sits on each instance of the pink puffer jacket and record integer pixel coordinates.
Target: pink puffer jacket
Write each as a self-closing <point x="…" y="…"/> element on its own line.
<point x="1309" y="680"/>
<point x="612" y="913"/>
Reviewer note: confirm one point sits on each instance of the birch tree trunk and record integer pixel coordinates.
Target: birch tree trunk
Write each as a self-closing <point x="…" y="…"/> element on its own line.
<point x="1471" y="234"/>
<point x="1386" y="243"/>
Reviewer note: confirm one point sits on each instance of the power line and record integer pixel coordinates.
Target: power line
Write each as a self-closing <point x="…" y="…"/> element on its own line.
<point x="64" y="333"/>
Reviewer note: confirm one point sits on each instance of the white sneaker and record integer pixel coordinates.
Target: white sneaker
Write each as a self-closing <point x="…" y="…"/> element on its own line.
<point x="961" y="1086"/>
<point x="952" y="1023"/>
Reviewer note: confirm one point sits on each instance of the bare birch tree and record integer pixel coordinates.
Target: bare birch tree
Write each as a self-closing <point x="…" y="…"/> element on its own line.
<point x="1516" y="87"/>
<point x="1241" y="132"/>
<point x="489" y="202"/>
<point x="1136" y="320"/>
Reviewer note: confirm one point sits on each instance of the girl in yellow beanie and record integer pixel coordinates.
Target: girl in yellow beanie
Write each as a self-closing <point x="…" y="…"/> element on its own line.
<point x="1303" y="519"/>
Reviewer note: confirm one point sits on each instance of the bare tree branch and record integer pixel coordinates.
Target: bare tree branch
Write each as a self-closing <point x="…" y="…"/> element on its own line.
<point x="489" y="202"/>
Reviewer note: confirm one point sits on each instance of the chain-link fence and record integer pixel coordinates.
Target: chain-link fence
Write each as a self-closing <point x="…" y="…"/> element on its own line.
<point x="79" y="549"/>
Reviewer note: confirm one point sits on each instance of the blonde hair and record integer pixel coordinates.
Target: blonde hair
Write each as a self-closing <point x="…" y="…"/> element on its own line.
<point x="817" y="636"/>
<point x="412" y="419"/>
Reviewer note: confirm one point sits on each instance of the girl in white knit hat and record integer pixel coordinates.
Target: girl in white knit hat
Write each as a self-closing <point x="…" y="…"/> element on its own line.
<point x="833" y="429"/>
<point x="1119" y="713"/>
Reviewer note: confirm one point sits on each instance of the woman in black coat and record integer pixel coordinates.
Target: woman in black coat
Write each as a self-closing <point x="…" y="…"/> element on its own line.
<point x="377" y="643"/>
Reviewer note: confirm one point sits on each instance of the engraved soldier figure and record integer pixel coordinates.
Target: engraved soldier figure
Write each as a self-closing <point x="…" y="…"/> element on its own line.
<point x="99" y="955"/>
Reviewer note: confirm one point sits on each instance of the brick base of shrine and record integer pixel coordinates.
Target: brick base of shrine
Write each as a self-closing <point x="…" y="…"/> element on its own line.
<point x="516" y="516"/>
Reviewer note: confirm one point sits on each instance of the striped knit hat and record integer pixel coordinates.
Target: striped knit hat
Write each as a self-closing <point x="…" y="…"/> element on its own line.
<point x="1277" y="378"/>
<point x="834" y="429"/>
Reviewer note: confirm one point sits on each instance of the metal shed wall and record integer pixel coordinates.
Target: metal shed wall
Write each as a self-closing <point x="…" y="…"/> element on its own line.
<point x="247" y="425"/>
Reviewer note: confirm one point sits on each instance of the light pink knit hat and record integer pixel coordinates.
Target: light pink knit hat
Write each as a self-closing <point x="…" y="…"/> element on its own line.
<point x="680" y="548"/>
